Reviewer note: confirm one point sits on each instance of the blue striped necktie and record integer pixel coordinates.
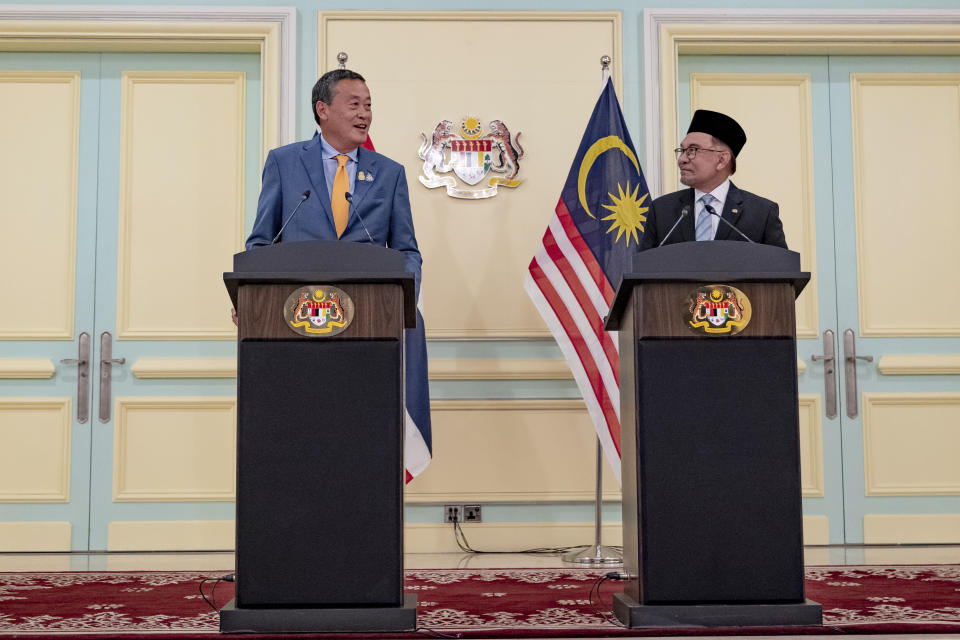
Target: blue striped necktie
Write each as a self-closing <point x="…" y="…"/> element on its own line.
<point x="704" y="222"/>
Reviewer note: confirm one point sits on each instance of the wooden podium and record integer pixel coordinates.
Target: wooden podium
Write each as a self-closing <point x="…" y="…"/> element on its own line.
<point x="320" y="426"/>
<point x="712" y="522"/>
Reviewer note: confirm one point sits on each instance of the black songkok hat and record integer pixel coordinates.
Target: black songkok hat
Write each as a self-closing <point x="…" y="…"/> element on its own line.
<point x="720" y="126"/>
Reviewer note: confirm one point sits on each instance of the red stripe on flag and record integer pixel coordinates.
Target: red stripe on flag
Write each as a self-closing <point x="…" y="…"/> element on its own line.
<point x="570" y="228"/>
<point x="583" y="351"/>
<point x="583" y="298"/>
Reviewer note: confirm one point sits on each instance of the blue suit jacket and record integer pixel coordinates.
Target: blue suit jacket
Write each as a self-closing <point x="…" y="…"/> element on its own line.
<point x="383" y="202"/>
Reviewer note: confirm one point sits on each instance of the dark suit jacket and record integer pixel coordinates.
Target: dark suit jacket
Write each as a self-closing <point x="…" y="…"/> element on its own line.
<point x="758" y="218"/>
<point x="382" y="202"/>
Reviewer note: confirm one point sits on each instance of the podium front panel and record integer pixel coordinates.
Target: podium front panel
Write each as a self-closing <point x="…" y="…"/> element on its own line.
<point x="320" y="472"/>
<point x="713" y="431"/>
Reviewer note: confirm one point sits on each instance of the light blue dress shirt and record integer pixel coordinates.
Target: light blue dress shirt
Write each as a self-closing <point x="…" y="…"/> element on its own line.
<point x="330" y="165"/>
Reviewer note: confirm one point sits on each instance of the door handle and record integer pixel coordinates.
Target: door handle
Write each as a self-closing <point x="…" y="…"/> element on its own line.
<point x="83" y="377"/>
<point x="106" y="374"/>
<point x="829" y="359"/>
<point x="850" y="358"/>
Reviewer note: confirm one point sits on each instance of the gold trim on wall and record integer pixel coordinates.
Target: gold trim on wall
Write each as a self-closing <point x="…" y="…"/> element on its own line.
<point x="27" y="368"/>
<point x="916" y="364"/>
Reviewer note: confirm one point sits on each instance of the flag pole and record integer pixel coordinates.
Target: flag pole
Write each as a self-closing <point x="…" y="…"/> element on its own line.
<point x="597" y="553"/>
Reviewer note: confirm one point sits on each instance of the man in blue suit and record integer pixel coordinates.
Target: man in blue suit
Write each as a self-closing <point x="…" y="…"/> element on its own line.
<point x="356" y="195"/>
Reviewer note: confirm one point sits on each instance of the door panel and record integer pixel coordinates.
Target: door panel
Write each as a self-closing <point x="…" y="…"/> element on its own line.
<point x="896" y="150"/>
<point x="179" y="171"/>
<point x="783" y="104"/>
<point x="49" y="137"/>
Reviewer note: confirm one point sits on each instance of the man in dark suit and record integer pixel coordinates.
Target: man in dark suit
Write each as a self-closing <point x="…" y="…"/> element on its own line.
<point x="332" y="165"/>
<point x="707" y="158"/>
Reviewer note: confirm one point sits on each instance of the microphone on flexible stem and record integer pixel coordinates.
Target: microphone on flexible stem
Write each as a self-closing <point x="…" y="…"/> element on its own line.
<point x="303" y="198"/>
<point x="683" y="214"/>
<point x="349" y="198"/>
<point x="729" y="224"/>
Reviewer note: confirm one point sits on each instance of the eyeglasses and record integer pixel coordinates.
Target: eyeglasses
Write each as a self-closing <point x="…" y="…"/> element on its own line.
<point x="691" y="152"/>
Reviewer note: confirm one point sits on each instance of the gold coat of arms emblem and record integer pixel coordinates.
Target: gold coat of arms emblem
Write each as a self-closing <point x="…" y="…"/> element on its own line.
<point x="472" y="152"/>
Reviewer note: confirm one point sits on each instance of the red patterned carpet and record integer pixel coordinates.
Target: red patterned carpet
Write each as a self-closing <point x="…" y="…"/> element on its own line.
<point x="470" y="603"/>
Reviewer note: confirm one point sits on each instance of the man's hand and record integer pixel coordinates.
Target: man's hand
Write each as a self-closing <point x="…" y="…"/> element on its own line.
<point x="233" y="316"/>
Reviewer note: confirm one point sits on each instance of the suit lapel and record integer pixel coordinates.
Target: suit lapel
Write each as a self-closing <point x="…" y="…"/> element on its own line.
<point x="312" y="158"/>
<point x="367" y="169"/>
<point x="732" y="209"/>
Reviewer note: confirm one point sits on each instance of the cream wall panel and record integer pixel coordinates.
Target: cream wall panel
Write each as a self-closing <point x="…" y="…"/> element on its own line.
<point x="27" y="368"/>
<point x="34" y="536"/>
<point x="775" y="110"/>
<point x="544" y="83"/>
<point x="173" y="535"/>
<point x="511" y="450"/>
<point x="911" y="443"/>
<point x="811" y="446"/>
<point x="181" y="186"/>
<point x="39" y="139"/>
<point x="184" y="368"/>
<point x="174" y="449"/>
<point x="816" y="530"/>
<point x="919" y="116"/>
<point x="928" y="364"/>
<point x="505" y="536"/>
<point x="35" y="449"/>
<point x="911" y="529"/>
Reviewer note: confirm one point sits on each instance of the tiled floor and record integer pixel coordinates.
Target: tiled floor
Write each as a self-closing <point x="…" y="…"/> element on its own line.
<point x="161" y="561"/>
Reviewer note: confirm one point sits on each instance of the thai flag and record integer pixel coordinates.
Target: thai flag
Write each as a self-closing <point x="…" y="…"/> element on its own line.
<point x="418" y="438"/>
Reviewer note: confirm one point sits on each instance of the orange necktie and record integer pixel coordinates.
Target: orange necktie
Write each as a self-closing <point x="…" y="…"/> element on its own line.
<point x="338" y="199"/>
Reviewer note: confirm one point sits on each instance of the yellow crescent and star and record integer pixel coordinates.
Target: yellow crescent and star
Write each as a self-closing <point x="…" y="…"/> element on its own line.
<point x="628" y="213"/>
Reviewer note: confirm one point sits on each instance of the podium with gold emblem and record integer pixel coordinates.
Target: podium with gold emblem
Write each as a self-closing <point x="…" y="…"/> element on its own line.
<point x="320" y="430"/>
<point x="712" y="522"/>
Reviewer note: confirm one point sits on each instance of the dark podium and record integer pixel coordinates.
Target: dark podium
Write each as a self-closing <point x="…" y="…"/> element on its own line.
<point x="320" y="422"/>
<point x="712" y="522"/>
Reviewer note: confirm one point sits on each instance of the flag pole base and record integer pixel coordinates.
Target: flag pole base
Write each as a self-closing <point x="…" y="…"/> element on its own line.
<point x="594" y="554"/>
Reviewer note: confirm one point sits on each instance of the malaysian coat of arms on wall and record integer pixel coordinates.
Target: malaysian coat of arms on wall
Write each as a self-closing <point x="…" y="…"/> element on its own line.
<point x="472" y="153"/>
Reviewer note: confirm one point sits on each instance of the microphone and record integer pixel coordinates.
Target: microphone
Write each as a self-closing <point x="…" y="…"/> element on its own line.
<point x="729" y="224"/>
<point x="683" y="214"/>
<point x="303" y="198"/>
<point x="349" y="198"/>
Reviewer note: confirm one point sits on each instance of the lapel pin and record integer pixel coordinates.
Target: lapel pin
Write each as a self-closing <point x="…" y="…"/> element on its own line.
<point x="733" y="211"/>
<point x="360" y="176"/>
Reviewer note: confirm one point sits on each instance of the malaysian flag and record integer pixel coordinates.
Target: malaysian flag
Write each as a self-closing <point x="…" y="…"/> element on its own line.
<point x="589" y="243"/>
<point x="418" y="440"/>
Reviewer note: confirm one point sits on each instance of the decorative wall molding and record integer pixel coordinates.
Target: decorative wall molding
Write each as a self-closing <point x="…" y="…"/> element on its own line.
<point x="499" y="369"/>
<point x="184" y="368"/>
<point x="171" y="535"/>
<point x="668" y="33"/>
<point x="37" y="431"/>
<point x="917" y="364"/>
<point x="923" y="528"/>
<point x="27" y="368"/>
<point x="270" y="31"/>
<point x="34" y="536"/>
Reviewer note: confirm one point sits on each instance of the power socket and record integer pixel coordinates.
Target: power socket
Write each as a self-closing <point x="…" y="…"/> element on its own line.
<point x="453" y="513"/>
<point x="471" y="513"/>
